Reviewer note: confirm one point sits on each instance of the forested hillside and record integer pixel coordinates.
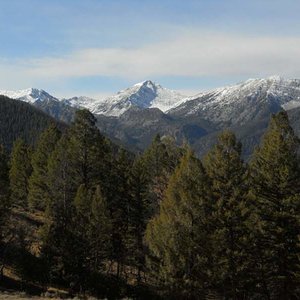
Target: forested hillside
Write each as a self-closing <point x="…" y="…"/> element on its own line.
<point x="85" y="219"/>
<point x="21" y="120"/>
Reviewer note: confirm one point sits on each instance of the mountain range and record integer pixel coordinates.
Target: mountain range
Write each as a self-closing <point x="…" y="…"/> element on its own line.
<point x="134" y="115"/>
<point x="146" y="94"/>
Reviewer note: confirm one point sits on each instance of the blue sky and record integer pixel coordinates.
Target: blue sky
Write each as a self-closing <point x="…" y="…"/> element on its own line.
<point x="97" y="47"/>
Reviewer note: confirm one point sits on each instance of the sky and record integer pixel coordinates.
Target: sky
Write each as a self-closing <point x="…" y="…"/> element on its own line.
<point x="98" y="47"/>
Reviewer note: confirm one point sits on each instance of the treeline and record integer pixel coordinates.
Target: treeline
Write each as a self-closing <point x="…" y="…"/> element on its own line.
<point x="161" y="224"/>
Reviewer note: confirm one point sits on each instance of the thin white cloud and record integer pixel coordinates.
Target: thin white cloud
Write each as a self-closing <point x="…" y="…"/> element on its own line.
<point x="193" y="54"/>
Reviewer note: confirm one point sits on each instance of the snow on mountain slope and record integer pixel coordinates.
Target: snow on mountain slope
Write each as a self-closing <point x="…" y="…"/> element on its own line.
<point x="236" y="104"/>
<point x="30" y="95"/>
<point x="142" y="95"/>
<point x="146" y="94"/>
<point x="82" y="102"/>
<point x="242" y="102"/>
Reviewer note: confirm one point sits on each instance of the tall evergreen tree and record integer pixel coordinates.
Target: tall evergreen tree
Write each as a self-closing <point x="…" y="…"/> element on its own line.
<point x="92" y="234"/>
<point x="58" y="233"/>
<point x="148" y="180"/>
<point x="78" y="159"/>
<point x="178" y="237"/>
<point x="160" y="160"/>
<point x="118" y="202"/>
<point x="81" y="245"/>
<point x="88" y="150"/>
<point x="77" y="164"/>
<point x="100" y="231"/>
<point x="19" y="173"/>
<point x="231" y="214"/>
<point x="38" y="189"/>
<point x="139" y="214"/>
<point x="276" y="192"/>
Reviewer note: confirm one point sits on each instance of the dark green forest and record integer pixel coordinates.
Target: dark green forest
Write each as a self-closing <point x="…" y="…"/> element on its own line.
<point x="21" y="120"/>
<point x="85" y="216"/>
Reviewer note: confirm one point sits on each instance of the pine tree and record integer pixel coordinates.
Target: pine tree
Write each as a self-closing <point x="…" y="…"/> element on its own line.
<point x="38" y="189"/>
<point x="160" y="160"/>
<point x="77" y="164"/>
<point x="148" y="180"/>
<point x="81" y="245"/>
<point x="231" y="214"/>
<point x="178" y="237"/>
<point x="276" y="192"/>
<point x="60" y="181"/>
<point x="92" y="234"/>
<point x="139" y="214"/>
<point x="100" y="228"/>
<point x="88" y="150"/>
<point x="59" y="232"/>
<point x="79" y="159"/>
<point x="118" y="201"/>
<point x="19" y="173"/>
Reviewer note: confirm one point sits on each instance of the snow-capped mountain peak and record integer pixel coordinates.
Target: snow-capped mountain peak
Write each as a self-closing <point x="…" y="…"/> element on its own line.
<point x="30" y="95"/>
<point x="147" y="82"/>
<point x="146" y="94"/>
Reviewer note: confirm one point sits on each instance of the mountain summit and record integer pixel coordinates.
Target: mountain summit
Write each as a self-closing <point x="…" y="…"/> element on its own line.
<point x="30" y="95"/>
<point x="146" y="94"/>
